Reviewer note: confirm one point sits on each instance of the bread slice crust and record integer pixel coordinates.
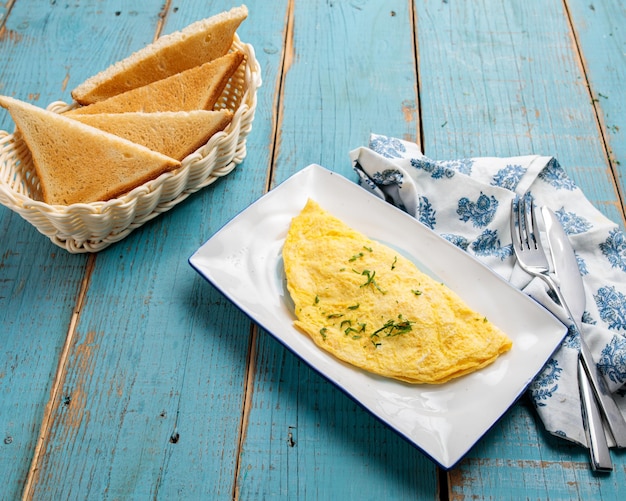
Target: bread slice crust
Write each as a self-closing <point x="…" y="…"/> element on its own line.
<point x="197" y="88"/>
<point x="77" y="163"/>
<point x="194" y="45"/>
<point x="175" y="134"/>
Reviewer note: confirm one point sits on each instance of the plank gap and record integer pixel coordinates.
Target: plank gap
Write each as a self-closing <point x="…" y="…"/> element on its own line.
<point x="287" y="58"/>
<point x="444" y="485"/>
<point x="285" y="63"/>
<point x="58" y="381"/>
<point x="163" y="13"/>
<point x="418" y="84"/>
<point x="596" y="110"/>
<point x="3" y="21"/>
<point x="248" y="391"/>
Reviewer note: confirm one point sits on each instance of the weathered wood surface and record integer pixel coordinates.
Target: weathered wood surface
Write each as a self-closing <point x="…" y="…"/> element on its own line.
<point x="600" y="30"/>
<point x="125" y="375"/>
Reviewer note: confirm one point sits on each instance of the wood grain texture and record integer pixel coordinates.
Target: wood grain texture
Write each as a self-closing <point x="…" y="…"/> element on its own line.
<point x="154" y="385"/>
<point x="505" y="79"/>
<point x="166" y="390"/>
<point x="350" y="71"/>
<point x="306" y="439"/>
<point x="38" y="287"/>
<point x="38" y="281"/>
<point x="600" y="28"/>
<point x="519" y="460"/>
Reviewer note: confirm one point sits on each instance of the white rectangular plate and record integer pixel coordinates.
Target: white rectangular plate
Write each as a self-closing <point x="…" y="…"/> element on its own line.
<point x="243" y="260"/>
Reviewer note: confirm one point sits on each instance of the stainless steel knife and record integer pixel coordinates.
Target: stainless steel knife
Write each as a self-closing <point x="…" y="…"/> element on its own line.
<point x="573" y="291"/>
<point x="572" y="288"/>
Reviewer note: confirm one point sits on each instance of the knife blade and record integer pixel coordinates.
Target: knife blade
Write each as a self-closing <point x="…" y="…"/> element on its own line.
<point x="565" y="265"/>
<point x="572" y="289"/>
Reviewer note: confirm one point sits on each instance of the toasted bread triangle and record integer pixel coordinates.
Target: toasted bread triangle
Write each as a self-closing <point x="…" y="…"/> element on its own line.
<point x="77" y="163"/>
<point x="198" y="88"/>
<point x="194" y="45"/>
<point x="175" y="134"/>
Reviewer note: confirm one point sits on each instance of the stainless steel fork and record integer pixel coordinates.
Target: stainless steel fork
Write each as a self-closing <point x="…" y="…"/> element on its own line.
<point x="532" y="259"/>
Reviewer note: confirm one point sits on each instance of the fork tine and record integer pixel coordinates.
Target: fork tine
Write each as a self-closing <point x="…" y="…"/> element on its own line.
<point x="515" y="224"/>
<point x="530" y="223"/>
<point x="531" y="229"/>
<point x="523" y="239"/>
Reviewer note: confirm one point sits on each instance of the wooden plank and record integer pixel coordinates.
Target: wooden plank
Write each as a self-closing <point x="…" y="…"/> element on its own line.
<point x="505" y="79"/>
<point x="601" y="34"/>
<point x="345" y="78"/>
<point x="153" y="391"/>
<point x="151" y="394"/>
<point x="38" y="287"/>
<point x="349" y="70"/>
<point x="38" y="281"/>
<point x="154" y="383"/>
<point x="305" y="438"/>
<point x="4" y="11"/>
<point x="518" y="459"/>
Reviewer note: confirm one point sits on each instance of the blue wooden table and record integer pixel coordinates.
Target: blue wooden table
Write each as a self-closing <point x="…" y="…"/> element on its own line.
<point x="124" y="375"/>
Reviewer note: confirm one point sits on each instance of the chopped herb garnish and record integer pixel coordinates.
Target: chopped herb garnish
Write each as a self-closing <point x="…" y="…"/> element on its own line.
<point x="386" y="326"/>
<point x="345" y="322"/>
<point x="323" y="332"/>
<point x="370" y="277"/>
<point x="352" y="329"/>
<point x="395" y="260"/>
<point x="317" y="299"/>
<point x="335" y="315"/>
<point x="416" y="292"/>
<point x="401" y="328"/>
<point x="393" y="328"/>
<point x="370" y="280"/>
<point x="368" y="249"/>
<point x="356" y="256"/>
<point x="353" y="307"/>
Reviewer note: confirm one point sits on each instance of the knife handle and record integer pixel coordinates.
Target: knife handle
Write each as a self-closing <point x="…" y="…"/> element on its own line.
<point x="592" y="421"/>
<point x="613" y="416"/>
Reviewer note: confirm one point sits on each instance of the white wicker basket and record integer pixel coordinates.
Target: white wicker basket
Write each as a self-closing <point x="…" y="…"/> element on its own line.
<point x="94" y="226"/>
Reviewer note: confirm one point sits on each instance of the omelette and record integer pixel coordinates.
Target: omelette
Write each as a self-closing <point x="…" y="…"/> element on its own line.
<point x="369" y="306"/>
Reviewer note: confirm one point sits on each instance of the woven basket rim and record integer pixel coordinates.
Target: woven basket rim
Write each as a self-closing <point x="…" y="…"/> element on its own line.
<point x="232" y="138"/>
<point x="27" y="201"/>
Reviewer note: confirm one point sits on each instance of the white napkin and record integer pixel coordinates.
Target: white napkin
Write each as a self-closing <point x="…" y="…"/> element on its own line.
<point x="468" y="202"/>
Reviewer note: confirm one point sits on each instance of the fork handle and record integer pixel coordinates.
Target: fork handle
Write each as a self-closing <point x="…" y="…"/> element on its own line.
<point x="614" y="418"/>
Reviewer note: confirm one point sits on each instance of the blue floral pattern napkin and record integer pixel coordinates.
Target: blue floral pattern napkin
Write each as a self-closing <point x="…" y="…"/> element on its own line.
<point x="468" y="202"/>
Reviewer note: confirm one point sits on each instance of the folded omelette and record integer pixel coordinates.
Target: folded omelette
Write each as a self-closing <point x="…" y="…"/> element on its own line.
<point x="367" y="305"/>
